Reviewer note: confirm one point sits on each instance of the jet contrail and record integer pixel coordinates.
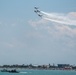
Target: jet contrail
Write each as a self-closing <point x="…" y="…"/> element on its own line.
<point x="55" y="17"/>
<point x="58" y="18"/>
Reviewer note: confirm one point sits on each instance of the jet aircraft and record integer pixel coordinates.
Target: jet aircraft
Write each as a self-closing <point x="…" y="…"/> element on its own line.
<point x="36" y="7"/>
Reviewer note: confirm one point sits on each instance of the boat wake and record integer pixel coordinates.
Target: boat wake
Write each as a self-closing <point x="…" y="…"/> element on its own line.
<point x="23" y="72"/>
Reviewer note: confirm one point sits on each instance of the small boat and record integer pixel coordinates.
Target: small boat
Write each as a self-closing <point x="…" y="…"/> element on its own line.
<point x="13" y="71"/>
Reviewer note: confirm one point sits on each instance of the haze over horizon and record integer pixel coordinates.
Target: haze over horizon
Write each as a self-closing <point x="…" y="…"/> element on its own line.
<point x="26" y="38"/>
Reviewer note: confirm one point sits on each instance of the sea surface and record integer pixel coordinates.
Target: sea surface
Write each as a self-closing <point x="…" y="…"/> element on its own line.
<point x="41" y="72"/>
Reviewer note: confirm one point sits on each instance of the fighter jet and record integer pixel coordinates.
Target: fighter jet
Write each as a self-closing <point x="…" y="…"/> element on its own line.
<point x="39" y="15"/>
<point x="36" y="7"/>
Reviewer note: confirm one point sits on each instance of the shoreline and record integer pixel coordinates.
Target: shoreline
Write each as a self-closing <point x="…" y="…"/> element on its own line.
<point x="40" y="67"/>
<point x="36" y="69"/>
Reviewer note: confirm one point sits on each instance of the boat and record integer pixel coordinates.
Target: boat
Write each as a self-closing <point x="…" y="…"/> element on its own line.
<point x="13" y="71"/>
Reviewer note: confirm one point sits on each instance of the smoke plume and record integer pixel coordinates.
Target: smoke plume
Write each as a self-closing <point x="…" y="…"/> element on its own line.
<point x="68" y="19"/>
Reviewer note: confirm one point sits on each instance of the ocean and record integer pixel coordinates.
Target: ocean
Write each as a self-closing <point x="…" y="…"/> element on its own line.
<point x="41" y="72"/>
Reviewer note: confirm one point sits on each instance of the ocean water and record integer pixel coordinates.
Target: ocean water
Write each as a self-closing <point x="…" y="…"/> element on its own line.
<point x="41" y="72"/>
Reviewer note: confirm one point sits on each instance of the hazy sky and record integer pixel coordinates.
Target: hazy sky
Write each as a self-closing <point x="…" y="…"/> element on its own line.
<point x="25" y="38"/>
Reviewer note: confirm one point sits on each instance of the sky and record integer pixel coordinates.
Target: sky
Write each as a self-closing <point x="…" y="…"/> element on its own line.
<point x="26" y="38"/>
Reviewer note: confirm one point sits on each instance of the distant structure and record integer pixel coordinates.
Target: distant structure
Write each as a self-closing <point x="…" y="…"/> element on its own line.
<point x="47" y="67"/>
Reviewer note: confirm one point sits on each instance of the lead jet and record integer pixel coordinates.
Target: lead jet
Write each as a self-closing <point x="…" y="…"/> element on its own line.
<point x="36" y="7"/>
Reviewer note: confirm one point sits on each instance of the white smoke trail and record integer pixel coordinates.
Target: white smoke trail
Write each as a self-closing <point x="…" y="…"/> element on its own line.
<point x="55" y="17"/>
